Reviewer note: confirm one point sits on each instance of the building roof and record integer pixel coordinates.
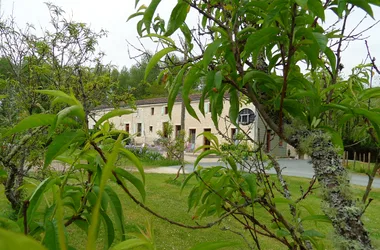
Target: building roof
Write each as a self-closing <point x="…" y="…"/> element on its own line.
<point x="158" y="100"/>
<point x="163" y="100"/>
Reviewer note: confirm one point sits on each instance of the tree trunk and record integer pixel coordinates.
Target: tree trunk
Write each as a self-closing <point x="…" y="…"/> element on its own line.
<point x="10" y="191"/>
<point x="339" y="204"/>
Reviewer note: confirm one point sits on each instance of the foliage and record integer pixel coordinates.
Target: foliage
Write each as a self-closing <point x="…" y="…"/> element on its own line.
<point x="63" y="57"/>
<point x="82" y="194"/>
<point x="173" y="144"/>
<point x="149" y="157"/>
<point x="169" y="202"/>
<point x="132" y="81"/>
<point x="255" y="50"/>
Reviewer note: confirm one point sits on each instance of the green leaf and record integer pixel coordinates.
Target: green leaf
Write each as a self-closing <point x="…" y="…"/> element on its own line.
<point x="106" y="174"/>
<point x="32" y="121"/>
<point x="234" y="106"/>
<point x="63" y="97"/>
<point x="317" y="218"/>
<point x="117" y="210"/>
<point x="187" y="180"/>
<point x="82" y="224"/>
<point x="282" y="233"/>
<point x="232" y="163"/>
<point x="302" y="3"/>
<point x="332" y="59"/>
<point x="212" y="138"/>
<point x="317" y="8"/>
<point x="210" y="52"/>
<point x="336" y="137"/>
<point x="366" y="94"/>
<point x="321" y="40"/>
<point x="341" y="7"/>
<point x="218" y="78"/>
<point x="9" y="225"/>
<point x="258" y="76"/>
<point x="73" y="111"/>
<point x="372" y="116"/>
<point x="164" y="38"/>
<point x="178" y="81"/>
<point x="139" y="185"/>
<point x="149" y="12"/>
<point x="51" y="240"/>
<point x="363" y="4"/>
<point x="187" y="34"/>
<point x="177" y="17"/>
<point x="204" y="154"/>
<point x="280" y="200"/>
<point x="130" y="244"/>
<point x="258" y="40"/>
<point x="312" y="53"/>
<point x="3" y="96"/>
<point x="130" y="156"/>
<point x="191" y="78"/>
<point x="109" y="230"/>
<point x="276" y="11"/>
<point x="61" y="143"/>
<point x="312" y="233"/>
<point x="250" y="179"/>
<point x="113" y="113"/>
<point x="155" y="59"/>
<point x="36" y="196"/>
<point x="11" y="240"/>
<point x="59" y="218"/>
<point x="135" y="15"/>
<point x="87" y="167"/>
<point x="214" y="245"/>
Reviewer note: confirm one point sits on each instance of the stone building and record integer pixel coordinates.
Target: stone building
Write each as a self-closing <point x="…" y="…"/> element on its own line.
<point x="151" y="115"/>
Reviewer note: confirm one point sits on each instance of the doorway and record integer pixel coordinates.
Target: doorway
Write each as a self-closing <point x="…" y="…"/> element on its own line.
<point x="206" y="142"/>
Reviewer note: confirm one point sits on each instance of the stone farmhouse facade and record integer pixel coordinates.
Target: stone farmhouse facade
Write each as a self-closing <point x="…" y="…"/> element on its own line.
<point x="151" y="115"/>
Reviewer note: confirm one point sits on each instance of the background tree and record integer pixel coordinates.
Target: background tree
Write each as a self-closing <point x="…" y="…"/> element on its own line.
<point x="63" y="58"/>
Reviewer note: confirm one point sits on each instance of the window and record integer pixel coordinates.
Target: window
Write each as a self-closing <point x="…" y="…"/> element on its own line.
<point x="165" y="128"/>
<point x="246" y="116"/>
<point x="127" y="127"/>
<point x="206" y="141"/>
<point x="177" y="130"/>
<point x="233" y="133"/>
<point x="152" y="111"/>
<point x="166" y="110"/>
<point x="139" y="129"/>
<point x="151" y="129"/>
<point x="207" y="107"/>
<point x="192" y="135"/>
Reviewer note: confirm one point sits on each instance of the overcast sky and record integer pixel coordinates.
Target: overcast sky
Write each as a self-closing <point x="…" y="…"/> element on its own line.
<point x="111" y="15"/>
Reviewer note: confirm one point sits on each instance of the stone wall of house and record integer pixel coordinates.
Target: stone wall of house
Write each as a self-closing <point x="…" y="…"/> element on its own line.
<point x="150" y="118"/>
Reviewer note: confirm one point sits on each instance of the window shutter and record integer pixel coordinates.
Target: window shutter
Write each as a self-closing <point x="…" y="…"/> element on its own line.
<point x="206" y="105"/>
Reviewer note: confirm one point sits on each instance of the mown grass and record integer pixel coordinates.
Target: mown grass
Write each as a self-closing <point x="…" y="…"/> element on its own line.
<point x="164" y="197"/>
<point x="361" y="167"/>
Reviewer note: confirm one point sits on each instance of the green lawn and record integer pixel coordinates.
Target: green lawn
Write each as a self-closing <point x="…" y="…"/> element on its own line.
<point x="361" y="167"/>
<point x="165" y="198"/>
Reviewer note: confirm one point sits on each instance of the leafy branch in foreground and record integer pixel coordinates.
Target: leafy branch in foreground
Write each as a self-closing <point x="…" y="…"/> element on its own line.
<point x="254" y="50"/>
<point x="83" y="195"/>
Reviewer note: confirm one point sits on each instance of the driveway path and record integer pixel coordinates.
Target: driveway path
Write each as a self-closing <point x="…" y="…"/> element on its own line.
<point x="299" y="168"/>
